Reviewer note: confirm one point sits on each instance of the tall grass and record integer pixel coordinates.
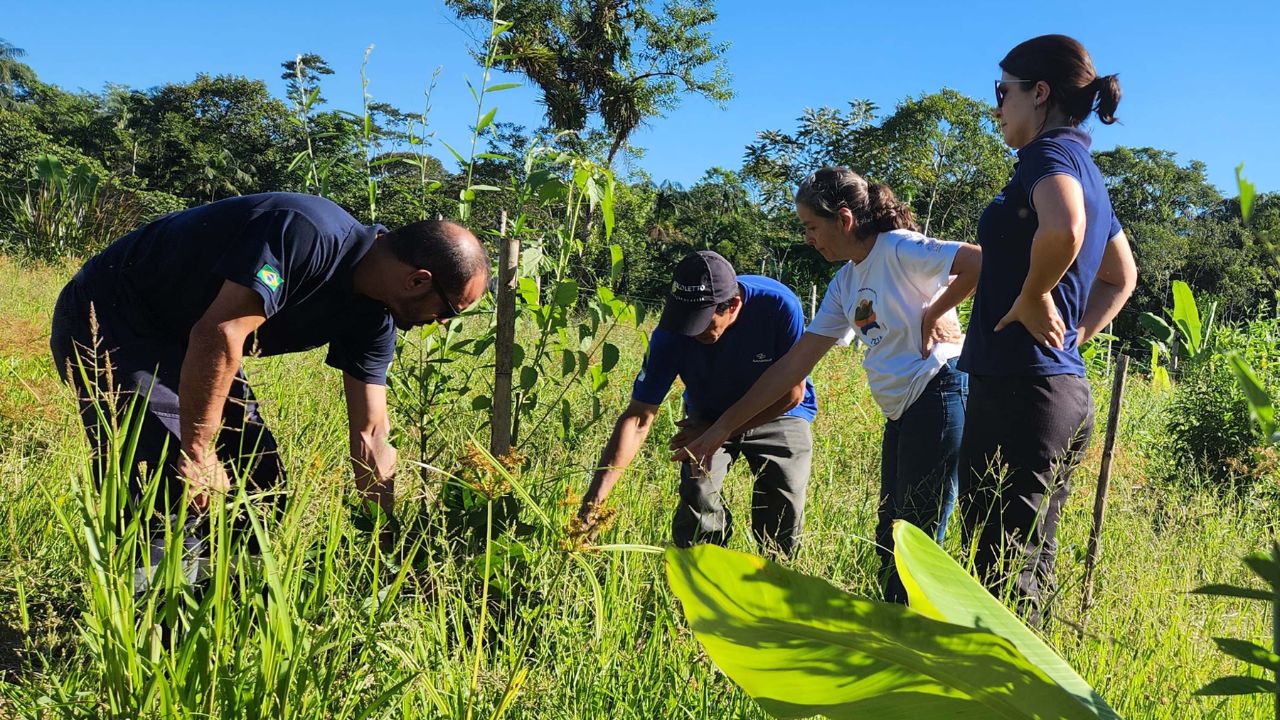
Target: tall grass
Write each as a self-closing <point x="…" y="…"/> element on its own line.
<point x="329" y="627"/>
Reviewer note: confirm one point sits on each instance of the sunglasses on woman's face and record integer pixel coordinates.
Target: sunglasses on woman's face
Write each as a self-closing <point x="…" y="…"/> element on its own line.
<point x="1002" y="89"/>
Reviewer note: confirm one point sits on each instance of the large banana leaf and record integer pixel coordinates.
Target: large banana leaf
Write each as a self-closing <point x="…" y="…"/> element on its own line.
<point x="938" y="587"/>
<point x="801" y="647"/>
<point x="1187" y="317"/>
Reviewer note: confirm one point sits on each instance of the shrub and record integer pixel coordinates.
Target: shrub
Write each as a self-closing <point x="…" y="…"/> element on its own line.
<point x="1210" y="431"/>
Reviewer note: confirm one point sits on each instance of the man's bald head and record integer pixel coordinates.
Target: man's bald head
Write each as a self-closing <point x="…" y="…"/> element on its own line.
<point x="450" y="251"/>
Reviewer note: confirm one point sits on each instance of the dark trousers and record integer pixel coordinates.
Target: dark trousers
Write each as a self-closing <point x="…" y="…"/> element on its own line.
<point x="1023" y="437"/>
<point x="919" y="468"/>
<point x="102" y="359"/>
<point x="779" y="453"/>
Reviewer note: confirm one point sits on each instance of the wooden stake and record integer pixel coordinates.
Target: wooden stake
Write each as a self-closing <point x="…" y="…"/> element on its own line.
<point x="813" y="301"/>
<point x="504" y="344"/>
<point x="1104" y="482"/>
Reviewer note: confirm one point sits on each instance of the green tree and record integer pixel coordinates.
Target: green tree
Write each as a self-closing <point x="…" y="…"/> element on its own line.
<point x="213" y="137"/>
<point x="11" y="73"/>
<point x="621" y="61"/>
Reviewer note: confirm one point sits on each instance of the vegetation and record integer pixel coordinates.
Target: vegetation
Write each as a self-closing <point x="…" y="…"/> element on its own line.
<point x="492" y="601"/>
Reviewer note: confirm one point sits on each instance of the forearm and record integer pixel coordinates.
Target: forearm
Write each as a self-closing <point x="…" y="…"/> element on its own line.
<point x="1105" y="301"/>
<point x="777" y="408"/>
<point x="959" y="289"/>
<point x="208" y="369"/>
<point x="766" y="398"/>
<point x="629" y="434"/>
<point x="374" y="472"/>
<point x="1052" y="252"/>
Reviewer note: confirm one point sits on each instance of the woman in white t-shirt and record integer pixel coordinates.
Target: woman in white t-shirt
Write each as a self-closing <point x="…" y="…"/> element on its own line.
<point x="896" y="294"/>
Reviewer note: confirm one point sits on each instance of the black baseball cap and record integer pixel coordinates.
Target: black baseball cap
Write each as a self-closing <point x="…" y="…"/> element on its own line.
<point x="701" y="281"/>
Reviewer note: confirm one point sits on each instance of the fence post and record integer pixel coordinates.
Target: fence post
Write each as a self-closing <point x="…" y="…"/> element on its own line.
<point x="504" y="344"/>
<point x="1104" y="483"/>
<point x="813" y="301"/>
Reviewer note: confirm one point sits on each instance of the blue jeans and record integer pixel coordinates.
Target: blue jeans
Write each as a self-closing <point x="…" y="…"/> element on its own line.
<point x="919" y="468"/>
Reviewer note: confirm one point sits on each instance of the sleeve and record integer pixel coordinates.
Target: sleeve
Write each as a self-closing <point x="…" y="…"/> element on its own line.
<point x="927" y="262"/>
<point x="1043" y="159"/>
<point x="830" y="320"/>
<point x="790" y="324"/>
<point x="1116" y="228"/>
<point x="365" y="350"/>
<point x="658" y="371"/>
<point x="272" y="256"/>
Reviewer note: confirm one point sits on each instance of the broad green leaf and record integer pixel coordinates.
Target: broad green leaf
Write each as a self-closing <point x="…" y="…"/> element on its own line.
<point x="493" y="156"/>
<point x="1264" y="567"/>
<point x="1261" y="408"/>
<point x="1158" y="328"/>
<point x="938" y="587"/>
<point x="606" y="207"/>
<point x="529" y="291"/>
<point x="801" y="647"/>
<point x="1233" y="591"/>
<point x="615" y="263"/>
<point x="502" y="86"/>
<point x="528" y="377"/>
<point x="568" y="362"/>
<point x="481" y="402"/>
<point x="486" y="188"/>
<point x="609" y="357"/>
<point x="1238" y="685"/>
<point x="1249" y="652"/>
<point x="1186" y="316"/>
<point x="566" y="293"/>
<point x="1247" y="192"/>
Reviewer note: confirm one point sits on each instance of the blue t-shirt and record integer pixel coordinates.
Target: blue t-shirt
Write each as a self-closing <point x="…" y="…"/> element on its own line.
<point x="716" y="376"/>
<point x="298" y="252"/>
<point x="1005" y="231"/>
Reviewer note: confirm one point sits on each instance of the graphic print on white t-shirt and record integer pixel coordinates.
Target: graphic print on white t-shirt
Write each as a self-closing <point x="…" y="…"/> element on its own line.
<point x="870" y="328"/>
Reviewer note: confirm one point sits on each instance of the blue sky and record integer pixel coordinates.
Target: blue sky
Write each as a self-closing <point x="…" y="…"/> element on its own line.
<point x="1204" y="83"/>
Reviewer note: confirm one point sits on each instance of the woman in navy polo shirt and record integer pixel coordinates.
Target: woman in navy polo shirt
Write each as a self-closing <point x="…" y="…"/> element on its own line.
<point x="1056" y="268"/>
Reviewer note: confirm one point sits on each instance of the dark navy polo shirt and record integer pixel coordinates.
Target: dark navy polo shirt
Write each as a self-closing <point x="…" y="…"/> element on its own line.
<point x="1005" y="231"/>
<point x="716" y="376"/>
<point x="297" y="252"/>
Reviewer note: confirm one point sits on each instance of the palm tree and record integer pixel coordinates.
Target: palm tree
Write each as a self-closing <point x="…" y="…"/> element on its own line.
<point x="10" y="70"/>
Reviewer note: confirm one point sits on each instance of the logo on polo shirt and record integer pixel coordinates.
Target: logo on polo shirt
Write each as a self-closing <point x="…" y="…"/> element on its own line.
<point x="761" y="358"/>
<point x="270" y="277"/>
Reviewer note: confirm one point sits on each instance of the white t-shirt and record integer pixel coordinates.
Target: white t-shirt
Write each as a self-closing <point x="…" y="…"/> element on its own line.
<point x="880" y="302"/>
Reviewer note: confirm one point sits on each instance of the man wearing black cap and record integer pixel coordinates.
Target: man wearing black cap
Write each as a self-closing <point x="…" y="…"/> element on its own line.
<point x="719" y="332"/>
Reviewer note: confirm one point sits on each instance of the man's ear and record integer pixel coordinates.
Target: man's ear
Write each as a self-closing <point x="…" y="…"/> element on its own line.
<point x="417" y="281"/>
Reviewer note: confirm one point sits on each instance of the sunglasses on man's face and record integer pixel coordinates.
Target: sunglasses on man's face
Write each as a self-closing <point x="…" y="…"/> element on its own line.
<point x="1002" y="89"/>
<point x="451" y="310"/>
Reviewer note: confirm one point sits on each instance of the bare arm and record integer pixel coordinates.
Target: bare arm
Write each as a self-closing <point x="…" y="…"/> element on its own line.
<point x="775" y="387"/>
<point x="214" y="350"/>
<point x="965" y="269"/>
<point x="1059" y="202"/>
<point x="1116" y="279"/>
<point x="629" y="433"/>
<point x="373" y="459"/>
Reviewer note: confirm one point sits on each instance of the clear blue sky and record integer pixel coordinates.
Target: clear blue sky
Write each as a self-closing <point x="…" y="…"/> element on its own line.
<point x="1203" y="82"/>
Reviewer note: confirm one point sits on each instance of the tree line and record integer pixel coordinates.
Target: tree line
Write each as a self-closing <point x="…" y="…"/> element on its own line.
<point x="184" y="143"/>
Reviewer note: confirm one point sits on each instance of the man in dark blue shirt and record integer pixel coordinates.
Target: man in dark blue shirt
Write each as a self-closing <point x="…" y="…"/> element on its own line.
<point x="166" y="313"/>
<point x="718" y="333"/>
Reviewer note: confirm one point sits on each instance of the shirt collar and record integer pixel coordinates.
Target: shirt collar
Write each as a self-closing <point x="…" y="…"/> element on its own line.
<point x="1073" y="134"/>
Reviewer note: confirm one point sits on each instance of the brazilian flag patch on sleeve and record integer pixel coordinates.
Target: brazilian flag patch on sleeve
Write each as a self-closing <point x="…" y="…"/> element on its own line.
<point x="270" y="277"/>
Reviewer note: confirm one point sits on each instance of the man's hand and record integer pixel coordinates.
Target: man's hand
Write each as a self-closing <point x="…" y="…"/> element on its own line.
<point x="204" y="480"/>
<point x="1040" y="317"/>
<point x="699" y="451"/>
<point x="690" y="430"/>
<point x="936" y="329"/>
